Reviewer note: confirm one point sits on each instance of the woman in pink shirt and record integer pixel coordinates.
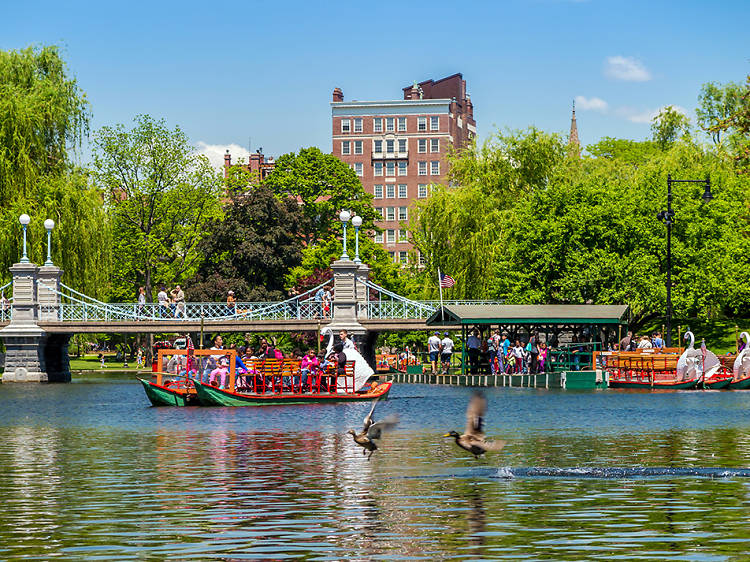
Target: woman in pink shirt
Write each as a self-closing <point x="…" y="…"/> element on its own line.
<point x="308" y="366"/>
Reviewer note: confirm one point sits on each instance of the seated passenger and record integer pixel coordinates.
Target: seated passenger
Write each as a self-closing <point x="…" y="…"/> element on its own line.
<point x="308" y="366"/>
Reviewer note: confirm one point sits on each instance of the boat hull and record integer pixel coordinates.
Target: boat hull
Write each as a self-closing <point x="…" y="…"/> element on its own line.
<point x="670" y="385"/>
<point x="716" y="384"/>
<point x="740" y="384"/>
<point x="163" y="396"/>
<point x="211" y="396"/>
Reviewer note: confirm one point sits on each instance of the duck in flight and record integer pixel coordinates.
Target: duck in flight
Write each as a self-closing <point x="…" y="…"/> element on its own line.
<point x="371" y="431"/>
<point x="473" y="438"/>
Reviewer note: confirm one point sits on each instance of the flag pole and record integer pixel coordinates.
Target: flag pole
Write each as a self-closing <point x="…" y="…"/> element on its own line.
<point x="440" y="286"/>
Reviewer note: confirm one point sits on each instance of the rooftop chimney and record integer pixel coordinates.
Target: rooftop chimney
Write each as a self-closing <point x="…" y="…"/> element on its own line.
<point x="338" y="95"/>
<point x="227" y="159"/>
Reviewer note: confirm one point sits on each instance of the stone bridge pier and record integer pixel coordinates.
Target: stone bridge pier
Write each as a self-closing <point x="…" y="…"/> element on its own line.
<point x="33" y="355"/>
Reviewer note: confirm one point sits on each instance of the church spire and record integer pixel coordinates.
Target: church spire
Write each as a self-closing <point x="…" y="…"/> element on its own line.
<point x="574" y="145"/>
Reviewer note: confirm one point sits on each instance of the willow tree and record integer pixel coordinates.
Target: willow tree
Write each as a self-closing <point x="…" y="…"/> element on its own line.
<point x="44" y="116"/>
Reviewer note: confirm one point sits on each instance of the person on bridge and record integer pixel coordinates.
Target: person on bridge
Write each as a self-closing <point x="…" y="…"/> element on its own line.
<point x="163" y="300"/>
<point x="178" y="296"/>
<point x="141" y="300"/>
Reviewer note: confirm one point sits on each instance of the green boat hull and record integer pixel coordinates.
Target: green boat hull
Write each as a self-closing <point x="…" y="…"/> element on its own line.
<point x="161" y="396"/>
<point x="211" y="396"/>
<point x="660" y="385"/>
<point x="716" y="385"/>
<point x="740" y="384"/>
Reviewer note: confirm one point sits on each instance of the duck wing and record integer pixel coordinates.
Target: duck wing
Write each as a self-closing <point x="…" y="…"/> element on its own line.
<point x="386" y="424"/>
<point x="475" y="413"/>
<point x="367" y="422"/>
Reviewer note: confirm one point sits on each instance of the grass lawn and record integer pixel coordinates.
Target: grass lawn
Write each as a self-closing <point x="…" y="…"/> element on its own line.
<point x="719" y="334"/>
<point x="91" y="363"/>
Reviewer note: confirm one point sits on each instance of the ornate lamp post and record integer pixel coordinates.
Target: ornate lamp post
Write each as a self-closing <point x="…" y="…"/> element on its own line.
<point x="49" y="224"/>
<point x="344" y="217"/>
<point x="356" y="223"/>
<point x="24" y="219"/>
<point x="667" y="217"/>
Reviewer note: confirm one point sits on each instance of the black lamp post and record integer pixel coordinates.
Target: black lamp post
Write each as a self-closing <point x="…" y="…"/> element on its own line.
<point x="667" y="217"/>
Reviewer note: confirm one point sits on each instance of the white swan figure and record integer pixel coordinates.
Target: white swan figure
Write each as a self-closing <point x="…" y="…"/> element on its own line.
<point x="362" y="371"/>
<point x="741" y="367"/>
<point x="697" y="363"/>
<point x="708" y="362"/>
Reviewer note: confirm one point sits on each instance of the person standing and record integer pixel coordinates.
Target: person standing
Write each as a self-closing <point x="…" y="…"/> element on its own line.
<point x="518" y="356"/>
<point x="231" y="304"/>
<point x="446" y="353"/>
<point x="433" y="348"/>
<point x="178" y="298"/>
<point x="658" y="342"/>
<point x="318" y="299"/>
<point x="163" y="301"/>
<point x="346" y="341"/>
<point x="473" y="345"/>
<point x="625" y="342"/>
<point x="141" y="300"/>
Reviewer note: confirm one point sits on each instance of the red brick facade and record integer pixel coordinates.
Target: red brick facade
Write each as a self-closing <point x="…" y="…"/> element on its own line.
<point x="398" y="147"/>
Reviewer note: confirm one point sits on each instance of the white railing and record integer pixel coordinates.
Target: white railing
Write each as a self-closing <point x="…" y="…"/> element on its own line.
<point x="6" y="300"/>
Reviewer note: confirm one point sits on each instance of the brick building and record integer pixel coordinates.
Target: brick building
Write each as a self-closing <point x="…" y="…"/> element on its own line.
<point x="256" y="164"/>
<point x="398" y="147"/>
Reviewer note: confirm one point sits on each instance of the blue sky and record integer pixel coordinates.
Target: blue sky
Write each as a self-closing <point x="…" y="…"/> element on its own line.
<point x="263" y="72"/>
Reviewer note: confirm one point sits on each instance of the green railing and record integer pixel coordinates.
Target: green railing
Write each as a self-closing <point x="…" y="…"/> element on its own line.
<point x="574" y="356"/>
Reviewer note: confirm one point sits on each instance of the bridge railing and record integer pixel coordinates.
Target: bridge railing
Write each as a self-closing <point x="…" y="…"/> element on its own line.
<point x="6" y="299"/>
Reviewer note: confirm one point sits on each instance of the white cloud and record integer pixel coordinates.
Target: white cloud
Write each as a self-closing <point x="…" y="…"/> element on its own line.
<point x="645" y="116"/>
<point x="215" y="153"/>
<point x="627" y="69"/>
<point x="593" y="104"/>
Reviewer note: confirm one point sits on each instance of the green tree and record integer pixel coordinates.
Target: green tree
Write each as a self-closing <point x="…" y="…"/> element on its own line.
<point x="324" y="185"/>
<point x="162" y="199"/>
<point x="717" y="104"/>
<point x="43" y="116"/>
<point x="252" y="249"/>
<point x="625" y="150"/>
<point x="668" y="126"/>
<point x="739" y="124"/>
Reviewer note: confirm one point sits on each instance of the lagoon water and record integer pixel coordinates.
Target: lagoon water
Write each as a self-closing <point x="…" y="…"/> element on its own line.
<point x="90" y="471"/>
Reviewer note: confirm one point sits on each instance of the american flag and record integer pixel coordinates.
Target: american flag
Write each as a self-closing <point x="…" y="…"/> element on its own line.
<point x="446" y="281"/>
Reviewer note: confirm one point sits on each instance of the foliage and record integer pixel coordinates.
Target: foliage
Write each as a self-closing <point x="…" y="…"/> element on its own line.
<point x="162" y="198"/>
<point x="739" y="124"/>
<point x="251" y="250"/>
<point x="717" y="104"/>
<point x="668" y="126"/>
<point x="458" y="229"/>
<point x="624" y="150"/>
<point x="324" y="185"/>
<point x="43" y="115"/>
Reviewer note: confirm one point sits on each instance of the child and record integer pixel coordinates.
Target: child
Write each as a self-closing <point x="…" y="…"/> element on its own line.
<point x="309" y="366"/>
<point x="543" y="351"/>
<point x="222" y="370"/>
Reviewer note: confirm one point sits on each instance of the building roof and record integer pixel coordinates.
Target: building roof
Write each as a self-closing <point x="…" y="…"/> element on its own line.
<point x="529" y="314"/>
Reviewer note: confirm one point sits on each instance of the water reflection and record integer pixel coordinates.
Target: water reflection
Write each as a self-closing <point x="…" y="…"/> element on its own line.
<point x="114" y="479"/>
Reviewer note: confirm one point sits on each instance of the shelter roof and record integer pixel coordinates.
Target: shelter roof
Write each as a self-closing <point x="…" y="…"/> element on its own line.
<point x="529" y="314"/>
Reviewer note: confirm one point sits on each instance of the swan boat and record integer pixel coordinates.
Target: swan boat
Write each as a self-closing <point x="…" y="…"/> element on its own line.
<point x="741" y="368"/>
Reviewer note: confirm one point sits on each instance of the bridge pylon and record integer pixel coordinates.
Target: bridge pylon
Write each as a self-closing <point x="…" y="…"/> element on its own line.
<point x="31" y="354"/>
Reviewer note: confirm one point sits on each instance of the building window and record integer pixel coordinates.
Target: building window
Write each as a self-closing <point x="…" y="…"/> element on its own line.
<point x="357" y="147"/>
<point x="357" y="167"/>
<point x="422" y="191"/>
<point x="403" y="257"/>
<point x="390" y="213"/>
<point x="377" y="191"/>
<point x="434" y="123"/>
<point x="390" y="236"/>
<point x="435" y="168"/>
<point x="402" y="145"/>
<point x="392" y="256"/>
<point x="358" y="125"/>
<point x="378" y="237"/>
<point x="377" y="124"/>
<point x="402" y="168"/>
<point x="434" y="145"/>
<point x="390" y="191"/>
<point x="421" y="123"/>
<point x="346" y="126"/>
<point x="402" y="235"/>
<point x="422" y="169"/>
<point x="377" y="168"/>
<point x="402" y="124"/>
<point x="390" y="168"/>
<point x="422" y="259"/>
<point x="402" y="191"/>
<point x="389" y="146"/>
<point x="422" y="146"/>
<point x="403" y="214"/>
<point x="379" y="211"/>
<point x="377" y="146"/>
<point x="345" y="147"/>
<point x="389" y="124"/>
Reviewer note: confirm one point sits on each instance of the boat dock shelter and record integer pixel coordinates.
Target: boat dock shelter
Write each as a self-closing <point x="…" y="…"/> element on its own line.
<point x="597" y="324"/>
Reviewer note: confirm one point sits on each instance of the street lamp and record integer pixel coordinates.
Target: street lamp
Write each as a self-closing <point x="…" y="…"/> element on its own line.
<point x="667" y="217"/>
<point x="344" y="217"/>
<point x="356" y="222"/>
<point x="24" y="219"/>
<point x="49" y="224"/>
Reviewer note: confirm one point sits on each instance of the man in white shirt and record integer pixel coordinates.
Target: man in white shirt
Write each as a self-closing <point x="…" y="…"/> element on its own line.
<point x="446" y="352"/>
<point x="163" y="301"/>
<point x="433" y="347"/>
<point x="346" y="341"/>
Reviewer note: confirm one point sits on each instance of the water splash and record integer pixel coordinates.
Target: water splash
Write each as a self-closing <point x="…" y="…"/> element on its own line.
<point x="622" y="472"/>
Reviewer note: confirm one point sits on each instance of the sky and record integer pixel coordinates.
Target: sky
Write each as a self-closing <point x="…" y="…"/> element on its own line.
<point x="260" y="74"/>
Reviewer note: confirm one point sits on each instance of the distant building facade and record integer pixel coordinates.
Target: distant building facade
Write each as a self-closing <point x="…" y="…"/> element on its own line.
<point x="398" y="148"/>
<point x="257" y="164"/>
